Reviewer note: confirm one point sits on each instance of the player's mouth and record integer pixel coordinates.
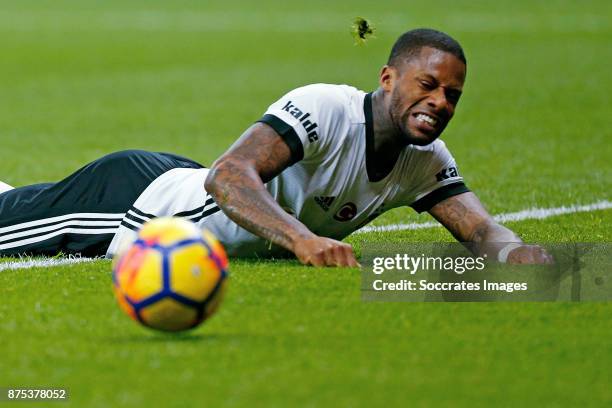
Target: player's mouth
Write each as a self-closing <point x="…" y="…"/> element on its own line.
<point x="425" y="122"/>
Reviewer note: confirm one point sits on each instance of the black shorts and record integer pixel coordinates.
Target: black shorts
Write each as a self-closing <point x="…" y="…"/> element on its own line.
<point x="80" y="214"/>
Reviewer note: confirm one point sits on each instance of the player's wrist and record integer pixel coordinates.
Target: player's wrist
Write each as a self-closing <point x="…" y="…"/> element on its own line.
<point x="298" y="238"/>
<point x="502" y="255"/>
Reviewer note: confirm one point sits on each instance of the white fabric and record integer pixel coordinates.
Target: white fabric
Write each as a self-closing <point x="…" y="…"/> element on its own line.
<point x="5" y="187"/>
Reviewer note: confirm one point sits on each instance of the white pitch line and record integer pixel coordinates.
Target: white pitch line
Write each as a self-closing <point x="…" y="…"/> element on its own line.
<point x="43" y="263"/>
<point x="530" y="214"/>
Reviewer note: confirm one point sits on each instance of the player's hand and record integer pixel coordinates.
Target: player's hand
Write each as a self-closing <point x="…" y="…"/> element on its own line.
<point x="321" y="251"/>
<point x="530" y="254"/>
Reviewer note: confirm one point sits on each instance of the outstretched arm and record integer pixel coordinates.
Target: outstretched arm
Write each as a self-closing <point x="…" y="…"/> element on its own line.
<point x="466" y="218"/>
<point x="236" y="182"/>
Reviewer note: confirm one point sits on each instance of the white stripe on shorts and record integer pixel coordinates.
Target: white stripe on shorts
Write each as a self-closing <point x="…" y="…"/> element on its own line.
<point x="45" y="221"/>
<point x="62" y="225"/>
<point x="56" y="233"/>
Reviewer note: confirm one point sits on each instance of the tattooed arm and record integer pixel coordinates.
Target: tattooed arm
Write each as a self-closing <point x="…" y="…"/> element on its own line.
<point x="466" y="218"/>
<point x="236" y="182"/>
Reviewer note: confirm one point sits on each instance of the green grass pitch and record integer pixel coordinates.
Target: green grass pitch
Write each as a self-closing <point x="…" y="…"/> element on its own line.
<point x="79" y="79"/>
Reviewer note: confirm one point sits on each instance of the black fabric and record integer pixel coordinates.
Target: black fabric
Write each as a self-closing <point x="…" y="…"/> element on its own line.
<point x="110" y="184"/>
<point x="439" y="195"/>
<point x="369" y="135"/>
<point x="288" y="134"/>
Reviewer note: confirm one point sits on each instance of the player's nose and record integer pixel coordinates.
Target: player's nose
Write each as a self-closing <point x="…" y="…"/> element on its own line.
<point x="440" y="105"/>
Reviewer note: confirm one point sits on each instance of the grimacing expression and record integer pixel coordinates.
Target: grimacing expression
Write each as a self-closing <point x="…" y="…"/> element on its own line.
<point x="424" y="93"/>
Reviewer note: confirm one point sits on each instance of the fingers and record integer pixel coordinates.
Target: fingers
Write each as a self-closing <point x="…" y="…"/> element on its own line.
<point x="327" y="252"/>
<point x="351" y="261"/>
<point x="530" y="254"/>
<point x="338" y="254"/>
<point x="341" y="254"/>
<point x="538" y="255"/>
<point x="316" y="259"/>
<point x="543" y="257"/>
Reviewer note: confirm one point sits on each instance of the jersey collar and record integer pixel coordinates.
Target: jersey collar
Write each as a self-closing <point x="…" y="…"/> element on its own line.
<point x="369" y="135"/>
<point x="370" y="158"/>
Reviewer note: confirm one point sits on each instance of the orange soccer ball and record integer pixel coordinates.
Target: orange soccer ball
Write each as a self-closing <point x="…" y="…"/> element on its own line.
<point x="172" y="277"/>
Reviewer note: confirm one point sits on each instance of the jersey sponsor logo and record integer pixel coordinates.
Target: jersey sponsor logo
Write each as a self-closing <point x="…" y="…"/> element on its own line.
<point x="347" y="212"/>
<point x="324" y="201"/>
<point x="303" y="118"/>
<point x="447" y="173"/>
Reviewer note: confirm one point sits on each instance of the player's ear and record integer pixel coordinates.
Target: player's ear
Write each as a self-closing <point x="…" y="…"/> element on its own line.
<point x="387" y="77"/>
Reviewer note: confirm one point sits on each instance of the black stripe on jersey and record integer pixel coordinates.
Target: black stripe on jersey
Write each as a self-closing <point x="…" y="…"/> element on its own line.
<point x="206" y="213"/>
<point x="196" y="211"/>
<point x="140" y="218"/>
<point x="209" y="211"/>
<point x="190" y="212"/>
<point x="439" y="195"/>
<point x="135" y="219"/>
<point x="287" y="133"/>
<point x="143" y="214"/>
<point x="130" y="226"/>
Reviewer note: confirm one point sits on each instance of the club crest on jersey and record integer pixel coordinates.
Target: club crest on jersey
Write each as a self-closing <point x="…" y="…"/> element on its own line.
<point x="347" y="212"/>
<point x="303" y="118"/>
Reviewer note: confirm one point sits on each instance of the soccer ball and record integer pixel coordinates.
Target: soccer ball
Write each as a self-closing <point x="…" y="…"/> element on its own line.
<point x="172" y="277"/>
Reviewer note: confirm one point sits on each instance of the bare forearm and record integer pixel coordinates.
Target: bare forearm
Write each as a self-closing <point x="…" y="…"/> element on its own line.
<point x="465" y="217"/>
<point x="490" y="238"/>
<point x="468" y="221"/>
<point x="491" y="231"/>
<point x="241" y="194"/>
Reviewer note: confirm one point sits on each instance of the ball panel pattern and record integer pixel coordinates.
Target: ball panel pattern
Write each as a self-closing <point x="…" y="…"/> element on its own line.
<point x="172" y="277"/>
<point x="169" y="315"/>
<point x="194" y="274"/>
<point x="138" y="274"/>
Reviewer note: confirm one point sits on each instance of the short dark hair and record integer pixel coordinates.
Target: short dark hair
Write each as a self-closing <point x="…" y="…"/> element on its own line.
<point x="410" y="43"/>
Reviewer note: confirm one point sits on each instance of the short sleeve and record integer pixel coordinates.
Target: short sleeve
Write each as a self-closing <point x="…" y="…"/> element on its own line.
<point x="440" y="179"/>
<point x="307" y="119"/>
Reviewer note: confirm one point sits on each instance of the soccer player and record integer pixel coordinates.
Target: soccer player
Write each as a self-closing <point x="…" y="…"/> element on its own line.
<point x="323" y="161"/>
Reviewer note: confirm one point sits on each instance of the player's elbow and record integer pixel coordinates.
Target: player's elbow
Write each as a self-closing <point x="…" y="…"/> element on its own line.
<point x="224" y="172"/>
<point x="210" y="184"/>
<point x="215" y="178"/>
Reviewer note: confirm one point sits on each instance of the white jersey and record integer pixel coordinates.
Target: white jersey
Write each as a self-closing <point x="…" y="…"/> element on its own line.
<point x="329" y="131"/>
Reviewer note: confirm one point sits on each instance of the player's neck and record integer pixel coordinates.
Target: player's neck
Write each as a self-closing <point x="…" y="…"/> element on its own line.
<point x="388" y="143"/>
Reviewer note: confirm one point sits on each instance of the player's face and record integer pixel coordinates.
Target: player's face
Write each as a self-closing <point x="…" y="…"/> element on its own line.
<point x="424" y="93"/>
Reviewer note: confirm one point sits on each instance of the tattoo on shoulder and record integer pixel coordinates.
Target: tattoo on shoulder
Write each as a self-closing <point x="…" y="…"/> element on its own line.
<point x="267" y="149"/>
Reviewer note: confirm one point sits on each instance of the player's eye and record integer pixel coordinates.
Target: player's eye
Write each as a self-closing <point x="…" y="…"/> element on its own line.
<point x="427" y="85"/>
<point x="453" y="96"/>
